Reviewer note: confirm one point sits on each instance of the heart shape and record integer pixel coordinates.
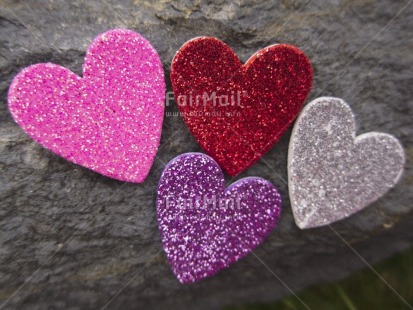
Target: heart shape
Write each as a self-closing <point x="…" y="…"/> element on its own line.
<point x="237" y="112"/>
<point x="332" y="173"/>
<point x="110" y="120"/>
<point x="205" y="227"/>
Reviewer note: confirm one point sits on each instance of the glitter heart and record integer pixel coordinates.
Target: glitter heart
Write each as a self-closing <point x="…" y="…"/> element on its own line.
<point x="110" y="120"/>
<point x="237" y="113"/>
<point x="332" y="173"/>
<point x="205" y="227"/>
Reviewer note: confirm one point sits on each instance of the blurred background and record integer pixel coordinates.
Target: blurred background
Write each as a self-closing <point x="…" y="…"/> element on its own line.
<point x="388" y="286"/>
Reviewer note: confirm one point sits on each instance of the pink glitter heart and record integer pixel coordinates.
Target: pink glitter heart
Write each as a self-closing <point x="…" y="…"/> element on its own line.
<point x="110" y="120"/>
<point x="205" y="227"/>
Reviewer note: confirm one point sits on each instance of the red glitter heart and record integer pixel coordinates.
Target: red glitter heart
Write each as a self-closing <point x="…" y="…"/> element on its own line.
<point x="237" y="112"/>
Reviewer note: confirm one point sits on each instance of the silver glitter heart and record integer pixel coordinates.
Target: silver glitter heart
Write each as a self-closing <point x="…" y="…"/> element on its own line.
<point x="332" y="173"/>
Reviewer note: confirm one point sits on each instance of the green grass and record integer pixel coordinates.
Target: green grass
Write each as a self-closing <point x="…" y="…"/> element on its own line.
<point x="361" y="290"/>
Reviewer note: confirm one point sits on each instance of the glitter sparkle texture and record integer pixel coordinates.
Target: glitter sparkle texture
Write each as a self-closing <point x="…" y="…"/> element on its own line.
<point x="332" y="173"/>
<point x="110" y="120"/>
<point x="264" y="97"/>
<point x="205" y="227"/>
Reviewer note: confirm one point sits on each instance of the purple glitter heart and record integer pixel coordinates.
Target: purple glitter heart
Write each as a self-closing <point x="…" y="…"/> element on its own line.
<point x="205" y="227"/>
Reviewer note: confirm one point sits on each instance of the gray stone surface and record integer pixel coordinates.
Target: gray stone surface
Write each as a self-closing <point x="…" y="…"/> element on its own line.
<point x="70" y="238"/>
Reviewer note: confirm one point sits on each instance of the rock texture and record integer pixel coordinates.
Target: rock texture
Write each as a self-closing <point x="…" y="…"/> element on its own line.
<point x="70" y="238"/>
